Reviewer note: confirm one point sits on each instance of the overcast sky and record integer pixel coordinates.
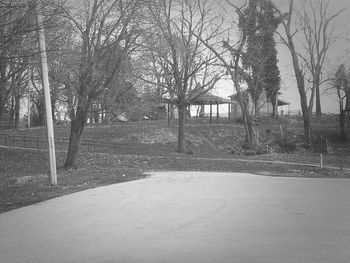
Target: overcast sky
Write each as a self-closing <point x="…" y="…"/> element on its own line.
<point x="339" y="53"/>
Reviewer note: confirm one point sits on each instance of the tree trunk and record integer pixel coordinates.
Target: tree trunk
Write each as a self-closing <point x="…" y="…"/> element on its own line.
<point x="201" y="111"/>
<point x="318" y="100"/>
<point x="2" y="109"/>
<point x="274" y="102"/>
<point x="306" y="120"/>
<point x="347" y="125"/>
<point x="311" y="101"/>
<point x="347" y="116"/>
<point x="181" y="146"/>
<point x="96" y="116"/>
<point x="17" y="109"/>
<point x="256" y="108"/>
<point x="77" y="127"/>
<point x="249" y="130"/>
<point x="247" y="120"/>
<point x="307" y="132"/>
<point x="108" y="116"/>
<point x="53" y="109"/>
<point x="3" y="93"/>
<point x="342" y="120"/>
<point x="41" y="112"/>
<point x="301" y="89"/>
<point x="12" y="109"/>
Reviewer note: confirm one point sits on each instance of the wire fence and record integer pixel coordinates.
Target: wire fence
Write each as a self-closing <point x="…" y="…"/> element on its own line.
<point x="6" y="125"/>
<point x="86" y="145"/>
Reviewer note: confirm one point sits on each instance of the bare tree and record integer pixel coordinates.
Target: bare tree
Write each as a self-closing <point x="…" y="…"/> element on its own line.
<point x="318" y="38"/>
<point x="13" y="29"/>
<point x="315" y="23"/>
<point x="341" y="85"/>
<point x="102" y="29"/>
<point x="18" y="47"/>
<point x="179" y="54"/>
<point x="230" y="54"/>
<point x="289" y="40"/>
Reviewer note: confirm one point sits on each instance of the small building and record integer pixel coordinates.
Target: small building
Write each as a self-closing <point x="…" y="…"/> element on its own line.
<point x="206" y="99"/>
<point x="265" y="106"/>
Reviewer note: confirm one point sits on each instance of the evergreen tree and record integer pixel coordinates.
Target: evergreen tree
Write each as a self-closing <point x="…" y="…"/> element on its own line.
<point x="260" y="58"/>
<point x="252" y="58"/>
<point x="271" y="74"/>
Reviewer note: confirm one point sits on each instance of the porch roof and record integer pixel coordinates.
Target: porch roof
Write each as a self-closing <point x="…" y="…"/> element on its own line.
<point x="208" y="98"/>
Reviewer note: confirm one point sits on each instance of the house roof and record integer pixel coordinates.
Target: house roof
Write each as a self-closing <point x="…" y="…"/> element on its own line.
<point x="204" y="99"/>
<point x="208" y="98"/>
<point x="279" y="101"/>
<point x="282" y="102"/>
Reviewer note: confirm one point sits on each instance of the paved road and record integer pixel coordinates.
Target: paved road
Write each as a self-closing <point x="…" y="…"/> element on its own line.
<point x="186" y="217"/>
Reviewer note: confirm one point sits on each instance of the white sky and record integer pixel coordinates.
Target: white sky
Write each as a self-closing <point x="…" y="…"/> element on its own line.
<point x="339" y="53"/>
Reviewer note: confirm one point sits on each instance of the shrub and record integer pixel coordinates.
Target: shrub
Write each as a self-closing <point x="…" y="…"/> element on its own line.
<point x="287" y="146"/>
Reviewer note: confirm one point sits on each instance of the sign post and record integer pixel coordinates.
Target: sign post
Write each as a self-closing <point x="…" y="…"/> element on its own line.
<point x="320" y="146"/>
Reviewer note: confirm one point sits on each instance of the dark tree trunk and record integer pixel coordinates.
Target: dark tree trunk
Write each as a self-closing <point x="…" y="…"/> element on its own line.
<point x="12" y="109"/>
<point x="307" y="132"/>
<point x="342" y="120"/>
<point x="345" y="122"/>
<point x="249" y="130"/>
<point x="247" y="120"/>
<point x="96" y="112"/>
<point x="256" y="108"/>
<point x="2" y="108"/>
<point x="347" y="125"/>
<point x="77" y="127"/>
<point x="303" y="99"/>
<point x="318" y="101"/>
<point x="181" y="146"/>
<point x="53" y="109"/>
<point x="41" y="112"/>
<point x="274" y="106"/>
<point x="17" y="109"/>
<point x="102" y="114"/>
<point x="306" y="121"/>
<point x="202" y="111"/>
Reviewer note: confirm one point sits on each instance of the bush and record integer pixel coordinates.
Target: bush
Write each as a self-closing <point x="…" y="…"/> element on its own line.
<point x="287" y="146"/>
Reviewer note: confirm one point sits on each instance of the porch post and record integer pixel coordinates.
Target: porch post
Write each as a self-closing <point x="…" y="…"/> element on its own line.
<point x="211" y="112"/>
<point x="217" y="113"/>
<point x="168" y="114"/>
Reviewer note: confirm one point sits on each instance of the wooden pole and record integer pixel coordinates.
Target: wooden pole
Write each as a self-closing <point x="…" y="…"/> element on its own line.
<point x="48" y="111"/>
<point x="211" y="112"/>
<point x="229" y="111"/>
<point x="28" y="84"/>
<point x="217" y="113"/>
<point x="281" y="130"/>
<point x="168" y="114"/>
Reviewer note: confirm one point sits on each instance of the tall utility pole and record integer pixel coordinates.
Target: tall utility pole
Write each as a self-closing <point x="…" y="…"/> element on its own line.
<point x="29" y="102"/>
<point x="45" y="81"/>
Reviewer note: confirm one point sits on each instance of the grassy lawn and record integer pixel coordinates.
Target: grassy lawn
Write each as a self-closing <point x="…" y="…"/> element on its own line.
<point x="151" y="146"/>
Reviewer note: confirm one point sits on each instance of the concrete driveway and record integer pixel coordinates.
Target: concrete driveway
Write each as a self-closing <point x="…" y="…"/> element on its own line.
<point x="186" y="217"/>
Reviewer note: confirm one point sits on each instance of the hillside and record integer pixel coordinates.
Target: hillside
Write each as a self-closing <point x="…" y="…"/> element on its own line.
<point x="280" y="139"/>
